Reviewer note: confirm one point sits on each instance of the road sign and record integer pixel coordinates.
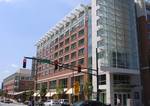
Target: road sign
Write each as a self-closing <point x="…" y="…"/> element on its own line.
<point x="76" y="87"/>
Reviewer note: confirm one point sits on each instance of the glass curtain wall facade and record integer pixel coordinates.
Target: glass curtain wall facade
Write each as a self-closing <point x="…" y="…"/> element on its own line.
<point x="116" y="33"/>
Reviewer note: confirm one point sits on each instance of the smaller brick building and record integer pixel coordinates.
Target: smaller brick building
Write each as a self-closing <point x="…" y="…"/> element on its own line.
<point x="17" y="82"/>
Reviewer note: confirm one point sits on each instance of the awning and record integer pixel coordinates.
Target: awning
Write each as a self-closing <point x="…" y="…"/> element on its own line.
<point x="70" y="91"/>
<point x="35" y="94"/>
<point x="38" y="95"/>
<point x="16" y="93"/>
<point x="48" y="94"/>
<point x="53" y="93"/>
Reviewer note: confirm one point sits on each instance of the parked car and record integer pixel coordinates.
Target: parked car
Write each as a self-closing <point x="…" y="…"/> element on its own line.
<point x="64" y="102"/>
<point x="26" y="102"/>
<point x="52" y="102"/>
<point x="8" y="101"/>
<point x="2" y="100"/>
<point x="88" y="103"/>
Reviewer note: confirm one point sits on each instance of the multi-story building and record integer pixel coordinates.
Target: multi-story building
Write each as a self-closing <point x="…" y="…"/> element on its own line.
<point x="114" y="35"/>
<point x="69" y="42"/>
<point x="143" y="20"/>
<point x="17" y="82"/>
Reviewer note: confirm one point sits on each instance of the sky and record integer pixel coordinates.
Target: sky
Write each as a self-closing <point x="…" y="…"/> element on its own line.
<point x="22" y="24"/>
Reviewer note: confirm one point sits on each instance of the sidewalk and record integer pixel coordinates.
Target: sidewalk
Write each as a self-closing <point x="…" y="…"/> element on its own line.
<point x="14" y="101"/>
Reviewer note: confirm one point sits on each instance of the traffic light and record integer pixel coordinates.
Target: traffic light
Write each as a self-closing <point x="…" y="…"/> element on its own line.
<point x="56" y="65"/>
<point x="24" y="63"/>
<point x="79" y="68"/>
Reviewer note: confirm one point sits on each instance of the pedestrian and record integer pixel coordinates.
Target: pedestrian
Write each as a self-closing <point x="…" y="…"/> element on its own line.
<point x="31" y="102"/>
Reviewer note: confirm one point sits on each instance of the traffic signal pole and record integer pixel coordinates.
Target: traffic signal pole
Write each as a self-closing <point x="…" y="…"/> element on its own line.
<point x="97" y="78"/>
<point x="75" y="68"/>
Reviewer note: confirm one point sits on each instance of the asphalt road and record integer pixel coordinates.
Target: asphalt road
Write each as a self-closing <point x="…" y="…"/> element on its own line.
<point x="11" y="104"/>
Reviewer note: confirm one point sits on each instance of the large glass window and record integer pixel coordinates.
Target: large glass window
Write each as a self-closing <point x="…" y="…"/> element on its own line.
<point x="52" y="84"/>
<point x="66" y="57"/>
<point x="63" y="83"/>
<point x="121" y="79"/>
<point x="67" y="33"/>
<point x="73" y="37"/>
<point x="81" y="33"/>
<point x="73" y="55"/>
<point x="102" y="79"/>
<point x="67" y="41"/>
<point x="81" y="42"/>
<point x="61" y="52"/>
<point x="56" y="55"/>
<point x="119" y="33"/>
<point x="67" y="49"/>
<point x="73" y="46"/>
<point x="81" y="52"/>
<point x="81" y="61"/>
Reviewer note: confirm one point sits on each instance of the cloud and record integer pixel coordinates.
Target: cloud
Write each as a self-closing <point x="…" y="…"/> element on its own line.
<point x="14" y="65"/>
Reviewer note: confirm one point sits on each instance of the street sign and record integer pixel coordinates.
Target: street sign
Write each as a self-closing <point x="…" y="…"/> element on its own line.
<point x="76" y="87"/>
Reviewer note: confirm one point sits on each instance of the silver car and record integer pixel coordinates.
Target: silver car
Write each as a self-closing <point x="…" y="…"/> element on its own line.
<point x="52" y="102"/>
<point x="64" y="102"/>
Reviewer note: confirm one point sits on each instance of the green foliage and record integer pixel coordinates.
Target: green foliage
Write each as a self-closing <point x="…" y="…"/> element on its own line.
<point x="43" y="91"/>
<point x="59" y="91"/>
<point x="87" y="89"/>
<point x="1" y="92"/>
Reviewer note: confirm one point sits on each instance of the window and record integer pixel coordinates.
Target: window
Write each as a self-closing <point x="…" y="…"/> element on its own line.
<point x="61" y="60"/>
<point x="63" y="83"/>
<point x="67" y="49"/>
<point x="81" y="33"/>
<point x="81" y="61"/>
<point x="81" y="23"/>
<point x="56" y="47"/>
<point x="73" y="46"/>
<point x="81" y="42"/>
<point x="81" y="52"/>
<point x="81" y="14"/>
<point x="61" y="44"/>
<point x="67" y="33"/>
<point x="101" y="54"/>
<point x="73" y="37"/>
<point x="61" y="37"/>
<point x="100" y="43"/>
<point x="73" y="29"/>
<point x="73" y="55"/>
<point x="66" y="57"/>
<point x="121" y="79"/>
<point x="74" y="19"/>
<point x="56" y="40"/>
<point x="61" y="52"/>
<point x="52" y="84"/>
<point x="102" y="79"/>
<point x="67" y="24"/>
<point x="100" y="32"/>
<point x="55" y="55"/>
<point x="67" y="41"/>
<point x="73" y="63"/>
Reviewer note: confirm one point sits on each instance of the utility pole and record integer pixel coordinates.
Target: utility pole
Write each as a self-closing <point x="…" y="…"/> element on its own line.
<point x="97" y="98"/>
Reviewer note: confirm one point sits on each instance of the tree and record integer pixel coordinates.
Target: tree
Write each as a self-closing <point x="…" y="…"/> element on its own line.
<point x="59" y="91"/>
<point x="87" y="89"/>
<point x="1" y="92"/>
<point x="43" y="91"/>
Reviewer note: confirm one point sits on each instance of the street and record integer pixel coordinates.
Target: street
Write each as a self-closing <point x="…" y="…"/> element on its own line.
<point x="11" y="104"/>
